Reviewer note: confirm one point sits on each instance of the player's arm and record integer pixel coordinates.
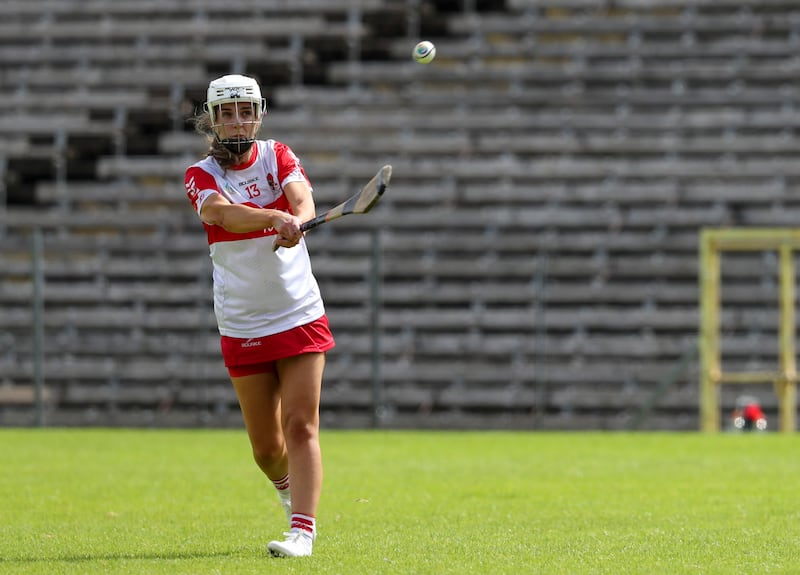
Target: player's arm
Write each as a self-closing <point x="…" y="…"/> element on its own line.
<point x="296" y="189"/>
<point x="214" y="208"/>
<point x="301" y="200"/>
<point x="302" y="203"/>
<point x="240" y="219"/>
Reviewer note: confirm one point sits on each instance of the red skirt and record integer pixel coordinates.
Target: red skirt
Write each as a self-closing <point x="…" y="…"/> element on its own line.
<point x="258" y="354"/>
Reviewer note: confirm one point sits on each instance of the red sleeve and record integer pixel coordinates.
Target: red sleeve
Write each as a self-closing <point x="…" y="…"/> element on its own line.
<point x="196" y="180"/>
<point x="288" y="163"/>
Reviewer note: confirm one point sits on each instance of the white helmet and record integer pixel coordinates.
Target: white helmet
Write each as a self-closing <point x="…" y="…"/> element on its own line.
<point x="235" y="88"/>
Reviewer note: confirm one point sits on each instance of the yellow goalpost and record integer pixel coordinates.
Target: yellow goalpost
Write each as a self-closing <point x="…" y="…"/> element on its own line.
<point x="712" y="242"/>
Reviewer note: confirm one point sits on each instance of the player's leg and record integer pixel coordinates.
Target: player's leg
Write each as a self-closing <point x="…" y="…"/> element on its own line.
<point x="301" y="382"/>
<point x="260" y="403"/>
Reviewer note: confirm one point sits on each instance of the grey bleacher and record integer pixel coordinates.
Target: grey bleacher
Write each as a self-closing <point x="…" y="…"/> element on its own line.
<point x="148" y="8"/>
<point x="552" y="169"/>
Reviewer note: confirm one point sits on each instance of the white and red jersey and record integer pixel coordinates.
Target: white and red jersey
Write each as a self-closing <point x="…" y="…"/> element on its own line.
<point x="257" y="292"/>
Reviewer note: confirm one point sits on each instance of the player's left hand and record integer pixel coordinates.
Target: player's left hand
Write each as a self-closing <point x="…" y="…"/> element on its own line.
<point x="288" y="232"/>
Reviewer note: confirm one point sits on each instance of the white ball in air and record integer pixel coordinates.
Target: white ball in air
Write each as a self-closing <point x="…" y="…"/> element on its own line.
<point x="424" y="52"/>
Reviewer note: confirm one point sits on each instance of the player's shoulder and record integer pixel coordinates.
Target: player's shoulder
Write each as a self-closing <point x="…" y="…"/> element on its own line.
<point x="272" y="146"/>
<point x="277" y="145"/>
<point x="277" y="153"/>
<point x="207" y="164"/>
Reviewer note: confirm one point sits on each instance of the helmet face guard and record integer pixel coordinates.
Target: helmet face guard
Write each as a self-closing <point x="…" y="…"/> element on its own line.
<point x="235" y="107"/>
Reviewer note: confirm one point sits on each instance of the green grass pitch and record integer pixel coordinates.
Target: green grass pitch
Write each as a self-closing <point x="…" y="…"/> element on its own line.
<point x="192" y="502"/>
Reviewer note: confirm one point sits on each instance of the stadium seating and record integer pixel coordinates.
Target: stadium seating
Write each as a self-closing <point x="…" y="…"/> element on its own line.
<point x="538" y="245"/>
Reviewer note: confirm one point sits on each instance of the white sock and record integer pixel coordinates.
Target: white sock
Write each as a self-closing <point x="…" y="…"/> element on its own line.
<point x="282" y="484"/>
<point x="304" y="523"/>
<point x="284" y="493"/>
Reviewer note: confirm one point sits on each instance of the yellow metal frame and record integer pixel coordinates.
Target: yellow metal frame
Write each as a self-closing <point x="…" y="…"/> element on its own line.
<point x="712" y="242"/>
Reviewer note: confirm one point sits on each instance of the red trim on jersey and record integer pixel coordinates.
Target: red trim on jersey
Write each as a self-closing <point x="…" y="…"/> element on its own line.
<point x="288" y="162"/>
<point x="196" y="180"/>
<point x="249" y="162"/>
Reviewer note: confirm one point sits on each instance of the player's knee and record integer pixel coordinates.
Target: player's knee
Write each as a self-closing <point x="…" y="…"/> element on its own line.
<point x="268" y="452"/>
<point x="300" y="429"/>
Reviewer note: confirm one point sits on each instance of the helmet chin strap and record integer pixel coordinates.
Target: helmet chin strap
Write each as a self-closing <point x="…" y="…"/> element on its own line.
<point x="237" y="146"/>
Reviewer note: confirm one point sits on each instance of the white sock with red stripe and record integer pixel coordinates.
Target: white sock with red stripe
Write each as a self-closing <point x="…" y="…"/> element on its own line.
<point x="282" y="485"/>
<point x="304" y="523"/>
